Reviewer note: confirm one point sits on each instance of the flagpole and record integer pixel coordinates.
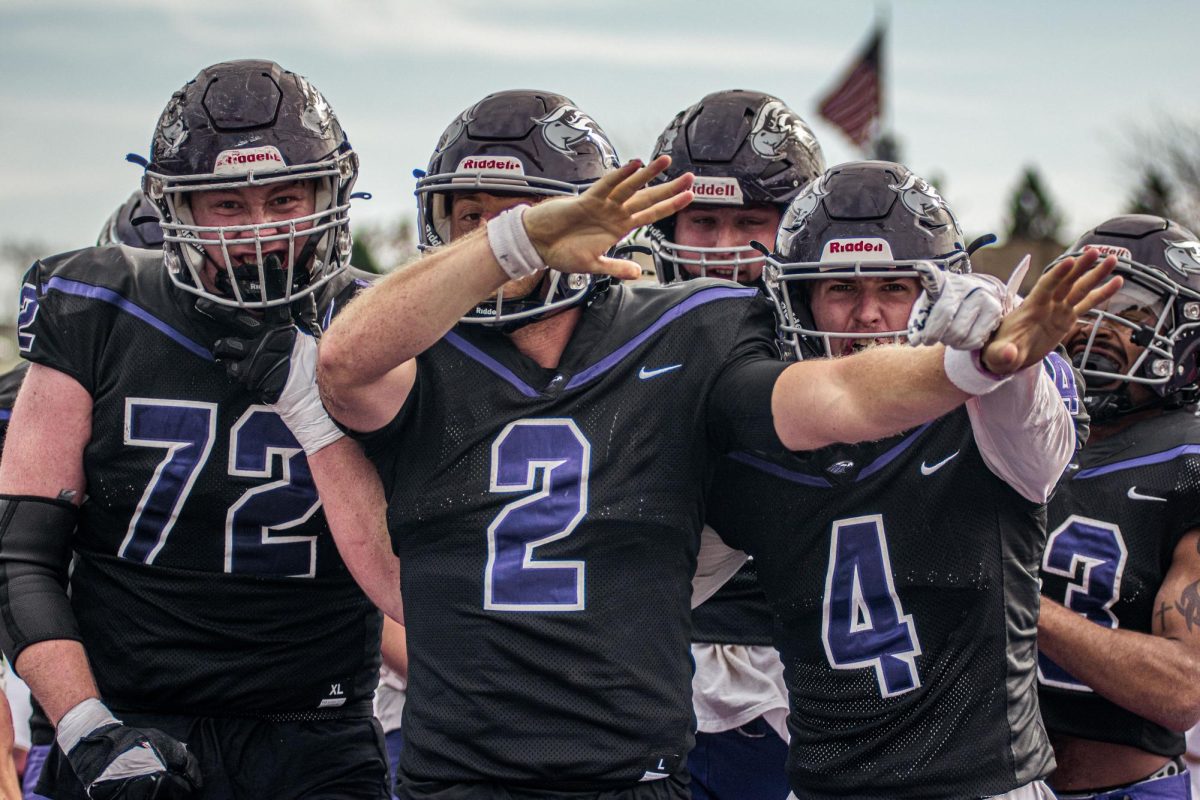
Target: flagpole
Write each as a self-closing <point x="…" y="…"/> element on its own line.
<point x="883" y="20"/>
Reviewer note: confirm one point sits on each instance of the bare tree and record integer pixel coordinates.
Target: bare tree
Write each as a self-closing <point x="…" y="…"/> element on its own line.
<point x="1170" y="148"/>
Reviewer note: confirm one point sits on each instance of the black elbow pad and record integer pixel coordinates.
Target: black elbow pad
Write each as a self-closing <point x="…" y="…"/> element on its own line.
<point x="35" y="556"/>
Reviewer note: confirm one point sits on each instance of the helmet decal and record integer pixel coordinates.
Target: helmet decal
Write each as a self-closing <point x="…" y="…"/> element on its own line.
<point x="566" y="126"/>
<point x="317" y="115"/>
<point x="805" y="204"/>
<point x="919" y="196"/>
<point x="774" y="124"/>
<point x="457" y="127"/>
<point x="171" y="132"/>
<point x="1184" y="257"/>
<point x="666" y="141"/>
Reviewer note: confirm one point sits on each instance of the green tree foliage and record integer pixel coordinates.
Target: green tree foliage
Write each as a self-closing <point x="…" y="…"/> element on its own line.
<point x="381" y="247"/>
<point x="1032" y="214"/>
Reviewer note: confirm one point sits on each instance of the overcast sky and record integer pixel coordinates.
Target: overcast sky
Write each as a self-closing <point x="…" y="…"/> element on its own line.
<point x="976" y="90"/>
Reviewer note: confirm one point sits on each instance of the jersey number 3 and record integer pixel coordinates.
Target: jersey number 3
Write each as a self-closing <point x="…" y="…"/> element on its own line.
<point x="1095" y="551"/>
<point x="862" y="622"/>
<point x="547" y="460"/>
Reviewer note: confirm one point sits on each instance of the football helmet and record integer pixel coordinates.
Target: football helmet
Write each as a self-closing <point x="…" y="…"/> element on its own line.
<point x="862" y="219"/>
<point x="134" y="223"/>
<point x="1159" y="304"/>
<point x="744" y="148"/>
<point x="519" y="142"/>
<point x="251" y="123"/>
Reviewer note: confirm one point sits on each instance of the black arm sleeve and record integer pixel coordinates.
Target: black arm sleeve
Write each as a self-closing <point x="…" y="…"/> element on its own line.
<point x="35" y="554"/>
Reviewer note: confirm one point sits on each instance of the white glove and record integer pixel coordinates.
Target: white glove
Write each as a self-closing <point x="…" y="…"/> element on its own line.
<point x="299" y="404"/>
<point x="960" y="311"/>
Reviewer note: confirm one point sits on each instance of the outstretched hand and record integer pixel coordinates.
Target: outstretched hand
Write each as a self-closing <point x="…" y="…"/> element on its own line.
<point x="1064" y="293"/>
<point x="572" y="234"/>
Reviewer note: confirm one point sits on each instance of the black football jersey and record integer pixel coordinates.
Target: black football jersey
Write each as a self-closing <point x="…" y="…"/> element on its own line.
<point x="902" y="576"/>
<point x="206" y="580"/>
<point x="737" y="614"/>
<point x="547" y="523"/>
<point x="1114" y="524"/>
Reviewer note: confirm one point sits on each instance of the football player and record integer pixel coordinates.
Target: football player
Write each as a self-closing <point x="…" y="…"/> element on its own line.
<point x="544" y="480"/>
<point x="750" y="155"/>
<point x="213" y="644"/>
<point x="902" y="573"/>
<point x="1119" y="633"/>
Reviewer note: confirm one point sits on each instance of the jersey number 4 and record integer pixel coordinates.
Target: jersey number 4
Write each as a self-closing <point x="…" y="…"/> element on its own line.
<point x="186" y="431"/>
<point x="862" y="622"/>
<point x="1095" y="551"/>
<point x="548" y="461"/>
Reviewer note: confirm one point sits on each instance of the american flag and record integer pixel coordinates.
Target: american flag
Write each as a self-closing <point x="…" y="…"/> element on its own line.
<point x="856" y="103"/>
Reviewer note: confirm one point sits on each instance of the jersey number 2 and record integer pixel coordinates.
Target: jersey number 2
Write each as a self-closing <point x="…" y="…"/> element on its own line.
<point x="548" y="459"/>
<point x="186" y="430"/>
<point x="862" y="622"/>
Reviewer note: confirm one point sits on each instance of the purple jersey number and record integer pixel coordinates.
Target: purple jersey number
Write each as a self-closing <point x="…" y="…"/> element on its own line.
<point x="863" y="624"/>
<point x="186" y="431"/>
<point x="548" y="461"/>
<point x="1095" y="552"/>
<point x="25" y="316"/>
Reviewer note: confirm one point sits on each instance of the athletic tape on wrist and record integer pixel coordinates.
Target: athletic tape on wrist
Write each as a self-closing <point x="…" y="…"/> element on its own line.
<point x="511" y="245"/>
<point x="966" y="371"/>
<point x="82" y="720"/>
<point x="299" y="404"/>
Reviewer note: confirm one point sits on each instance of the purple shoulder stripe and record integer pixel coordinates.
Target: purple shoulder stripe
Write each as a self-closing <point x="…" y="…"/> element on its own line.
<point x="891" y="454"/>
<point x="81" y="289"/>
<point x="702" y="297"/>
<point x="473" y="352"/>
<point x="1140" y="461"/>
<point x="771" y="468"/>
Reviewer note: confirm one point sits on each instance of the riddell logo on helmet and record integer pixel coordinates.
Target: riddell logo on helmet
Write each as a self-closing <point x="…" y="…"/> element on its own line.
<point x="857" y="250"/>
<point x="491" y="164"/>
<point x="717" y="190"/>
<point x="250" y="159"/>
<point x="1113" y="250"/>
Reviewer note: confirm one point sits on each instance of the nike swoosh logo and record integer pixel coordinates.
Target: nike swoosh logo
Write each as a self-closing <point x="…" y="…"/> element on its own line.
<point x="929" y="469"/>
<point x="1134" y="494"/>
<point x="647" y="374"/>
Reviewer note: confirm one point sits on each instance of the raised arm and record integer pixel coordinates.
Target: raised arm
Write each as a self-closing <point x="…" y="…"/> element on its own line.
<point x="366" y="358"/>
<point x="885" y="390"/>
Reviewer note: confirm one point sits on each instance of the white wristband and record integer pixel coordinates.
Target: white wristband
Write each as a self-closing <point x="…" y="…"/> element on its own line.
<point x="511" y="245"/>
<point x="299" y="403"/>
<point x="82" y="720"/>
<point x="966" y="371"/>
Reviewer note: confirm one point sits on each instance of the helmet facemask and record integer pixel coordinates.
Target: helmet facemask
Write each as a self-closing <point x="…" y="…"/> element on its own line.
<point x="790" y="286"/>
<point x="325" y="233"/>
<point x="242" y="125"/>
<point x="1154" y="313"/>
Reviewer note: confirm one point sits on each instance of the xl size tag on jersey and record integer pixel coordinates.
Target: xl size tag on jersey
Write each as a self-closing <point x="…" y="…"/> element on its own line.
<point x="661" y="767"/>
